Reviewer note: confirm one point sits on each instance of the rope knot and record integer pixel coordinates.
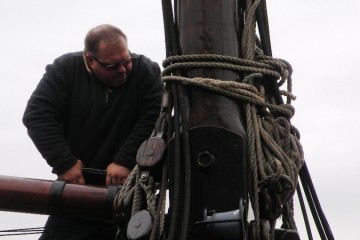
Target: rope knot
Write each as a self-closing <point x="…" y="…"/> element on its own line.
<point x="283" y="110"/>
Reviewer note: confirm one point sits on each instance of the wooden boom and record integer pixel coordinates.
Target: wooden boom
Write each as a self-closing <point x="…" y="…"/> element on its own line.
<point x="46" y="197"/>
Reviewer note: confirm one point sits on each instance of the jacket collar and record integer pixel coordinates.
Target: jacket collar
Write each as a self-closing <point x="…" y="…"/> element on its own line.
<point x="86" y="64"/>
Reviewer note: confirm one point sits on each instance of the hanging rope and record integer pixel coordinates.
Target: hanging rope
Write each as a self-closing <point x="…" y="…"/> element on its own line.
<point x="138" y="191"/>
<point x="137" y="185"/>
<point x="21" y="231"/>
<point x="274" y="151"/>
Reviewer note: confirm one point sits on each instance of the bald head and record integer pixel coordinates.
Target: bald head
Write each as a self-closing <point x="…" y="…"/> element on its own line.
<point x="106" y="34"/>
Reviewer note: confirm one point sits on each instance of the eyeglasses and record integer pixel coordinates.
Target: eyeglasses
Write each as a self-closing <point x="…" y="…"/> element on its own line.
<point x="114" y="66"/>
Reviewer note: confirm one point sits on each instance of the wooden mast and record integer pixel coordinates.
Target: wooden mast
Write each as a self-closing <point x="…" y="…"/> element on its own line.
<point x="211" y="27"/>
<point x="216" y="130"/>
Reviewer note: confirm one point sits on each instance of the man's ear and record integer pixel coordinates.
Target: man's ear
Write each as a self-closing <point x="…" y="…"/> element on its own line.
<point x="88" y="61"/>
<point x="88" y="57"/>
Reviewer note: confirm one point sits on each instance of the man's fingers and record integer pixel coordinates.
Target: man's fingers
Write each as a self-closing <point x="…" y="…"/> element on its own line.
<point x="82" y="180"/>
<point x="108" y="180"/>
<point x="114" y="180"/>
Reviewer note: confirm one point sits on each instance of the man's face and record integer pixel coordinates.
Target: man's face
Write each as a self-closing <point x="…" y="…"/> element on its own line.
<point x="113" y="63"/>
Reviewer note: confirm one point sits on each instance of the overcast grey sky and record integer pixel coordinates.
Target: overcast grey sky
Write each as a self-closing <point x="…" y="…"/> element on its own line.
<point x="319" y="38"/>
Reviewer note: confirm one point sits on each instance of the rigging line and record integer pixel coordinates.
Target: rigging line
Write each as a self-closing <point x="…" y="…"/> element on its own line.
<point x="18" y="234"/>
<point x="169" y="29"/>
<point x="162" y="198"/>
<point x="313" y="210"/>
<point x="310" y="193"/>
<point x="27" y="231"/>
<point x="263" y="25"/>
<point x="22" y="229"/>
<point x="177" y="172"/>
<point x="173" y="49"/>
<point x="303" y="209"/>
<point x="314" y="204"/>
<point x="309" y="189"/>
<point x="187" y="162"/>
<point x="265" y="62"/>
<point x="160" y="127"/>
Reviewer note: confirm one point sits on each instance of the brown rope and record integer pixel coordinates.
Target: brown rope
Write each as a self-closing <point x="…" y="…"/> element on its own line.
<point x="274" y="151"/>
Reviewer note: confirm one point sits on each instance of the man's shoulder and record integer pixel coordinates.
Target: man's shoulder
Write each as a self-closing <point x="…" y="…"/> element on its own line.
<point x="69" y="66"/>
<point x="145" y="65"/>
<point x="71" y="56"/>
<point x="68" y="62"/>
<point x="144" y="60"/>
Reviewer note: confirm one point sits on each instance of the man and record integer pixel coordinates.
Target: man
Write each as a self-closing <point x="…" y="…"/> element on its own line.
<point x="93" y="109"/>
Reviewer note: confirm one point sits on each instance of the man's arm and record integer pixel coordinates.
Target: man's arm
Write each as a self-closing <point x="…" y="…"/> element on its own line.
<point x="116" y="174"/>
<point x="44" y="119"/>
<point x="74" y="174"/>
<point x="150" y="95"/>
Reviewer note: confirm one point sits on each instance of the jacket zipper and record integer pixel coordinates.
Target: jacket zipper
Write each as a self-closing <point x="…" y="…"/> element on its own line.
<point x="108" y="91"/>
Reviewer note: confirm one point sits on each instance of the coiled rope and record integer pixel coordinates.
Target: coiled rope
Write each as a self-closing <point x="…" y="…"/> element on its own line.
<point x="275" y="154"/>
<point x="137" y="185"/>
<point x="137" y="191"/>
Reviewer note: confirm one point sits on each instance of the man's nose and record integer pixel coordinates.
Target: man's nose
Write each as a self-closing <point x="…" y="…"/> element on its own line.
<point x="121" y="69"/>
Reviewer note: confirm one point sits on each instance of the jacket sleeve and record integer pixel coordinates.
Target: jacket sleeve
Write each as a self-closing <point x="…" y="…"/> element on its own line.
<point x="44" y="118"/>
<point x="149" y="105"/>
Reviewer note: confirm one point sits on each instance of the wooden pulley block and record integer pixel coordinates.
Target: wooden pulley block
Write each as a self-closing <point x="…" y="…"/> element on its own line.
<point x="140" y="226"/>
<point x="151" y="152"/>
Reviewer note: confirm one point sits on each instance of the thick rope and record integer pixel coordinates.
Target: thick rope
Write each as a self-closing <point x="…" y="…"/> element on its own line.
<point x="142" y="187"/>
<point x="240" y="91"/>
<point x="249" y="36"/>
<point x="277" y="164"/>
<point x="275" y="153"/>
<point x="139" y="184"/>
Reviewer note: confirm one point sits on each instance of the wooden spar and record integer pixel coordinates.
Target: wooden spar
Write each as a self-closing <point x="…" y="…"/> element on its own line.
<point x="33" y="196"/>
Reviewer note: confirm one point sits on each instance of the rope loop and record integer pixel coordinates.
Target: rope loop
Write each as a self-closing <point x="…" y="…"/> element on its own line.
<point x="274" y="151"/>
<point x="130" y="199"/>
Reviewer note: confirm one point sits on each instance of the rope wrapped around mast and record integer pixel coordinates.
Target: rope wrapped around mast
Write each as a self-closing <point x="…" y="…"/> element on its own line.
<point x="275" y="154"/>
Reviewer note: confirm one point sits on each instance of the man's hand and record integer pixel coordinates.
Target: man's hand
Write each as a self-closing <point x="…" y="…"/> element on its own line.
<point x="74" y="174"/>
<point x="116" y="174"/>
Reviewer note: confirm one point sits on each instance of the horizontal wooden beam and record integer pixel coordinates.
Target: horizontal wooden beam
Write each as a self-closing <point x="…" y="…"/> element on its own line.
<point x="46" y="197"/>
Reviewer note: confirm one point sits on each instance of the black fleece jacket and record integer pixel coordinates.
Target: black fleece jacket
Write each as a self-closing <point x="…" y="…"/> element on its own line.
<point x="72" y="115"/>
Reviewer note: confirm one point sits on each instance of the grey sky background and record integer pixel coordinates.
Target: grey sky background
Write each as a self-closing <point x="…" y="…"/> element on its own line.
<point x="319" y="38"/>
